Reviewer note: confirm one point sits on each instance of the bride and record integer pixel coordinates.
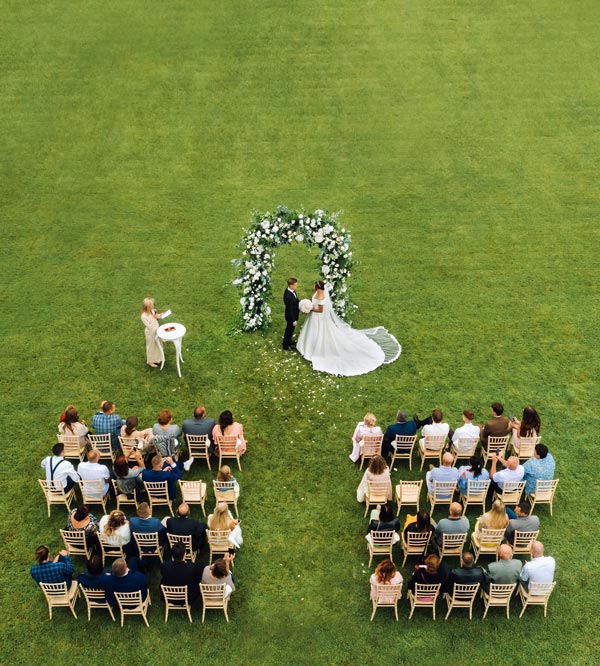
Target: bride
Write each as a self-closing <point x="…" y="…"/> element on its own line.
<point x="334" y="347"/>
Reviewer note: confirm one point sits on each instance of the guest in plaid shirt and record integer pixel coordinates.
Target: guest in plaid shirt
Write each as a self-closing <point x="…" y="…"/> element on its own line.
<point x="58" y="570"/>
<point x="106" y="422"/>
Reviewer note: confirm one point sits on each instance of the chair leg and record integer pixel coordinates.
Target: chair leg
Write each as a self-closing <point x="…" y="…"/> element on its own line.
<point x="396" y="611"/>
<point x="374" y="611"/>
<point x="189" y="614"/>
<point x="203" y="613"/>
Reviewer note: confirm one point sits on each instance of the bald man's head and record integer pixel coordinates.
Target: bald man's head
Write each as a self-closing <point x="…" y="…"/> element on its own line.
<point x="537" y="549"/>
<point x="505" y="552"/>
<point x="447" y="459"/>
<point x="512" y="463"/>
<point x="455" y="510"/>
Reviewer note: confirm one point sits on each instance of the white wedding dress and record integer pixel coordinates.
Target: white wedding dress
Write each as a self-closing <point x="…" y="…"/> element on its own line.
<point x="334" y="347"/>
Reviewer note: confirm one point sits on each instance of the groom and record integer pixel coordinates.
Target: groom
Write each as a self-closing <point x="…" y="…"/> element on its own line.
<point x="291" y="312"/>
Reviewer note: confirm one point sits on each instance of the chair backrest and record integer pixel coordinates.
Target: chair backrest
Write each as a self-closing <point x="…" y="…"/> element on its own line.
<point x="55" y="593"/>
<point x="130" y="602"/>
<point x="443" y="491"/>
<point x="434" y="443"/>
<point x="147" y="542"/>
<point x="53" y="490"/>
<point x="75" y="542"/>
<point x="523" y="540"/>
<point x="477" y="488"/>
<point x="103" y="444"/>
<point x="426" y="594"/>
<point x="405" y="445"/>
<point x="491" y="538"/>
<point x="191" y="491"/>
<point x="111" y="546"/>
<point x="92" y="490"/>
<point x="73" y="448"/>
<point x="464" y="595"/>
<point x="540" y="589"/>
<point x="185" y="539"/>
<point x="158" y="491"/>
<point x="527" y="447"/>
<point x="371" y="445"/>
<point x="409" y="491"/>
<point x="417" y="542"/>
<point x="94" y="598"/>
<point x="387" y="595"/>
<point x="453" y="543"/>
<point x="225" y="491"/>
<point x="218" y="540"/>
<point x="500" y="593"/>
<point x="227" y="446"/>
<point x="382" y="540"/>
<point x="377" y="492"/>
<point x="499" y="443"/>
<point x="198" y="445"/>
<point x="213" y="595"/>
<point x="465" y="446"/>
<point x="175" y="595"/>
<point x="544" y="490"/>
<point x="512" y="491"/>
<point x="128" y="443"/>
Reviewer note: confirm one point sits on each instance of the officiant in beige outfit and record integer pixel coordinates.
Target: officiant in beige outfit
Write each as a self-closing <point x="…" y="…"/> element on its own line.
<point x="150" y="320"/>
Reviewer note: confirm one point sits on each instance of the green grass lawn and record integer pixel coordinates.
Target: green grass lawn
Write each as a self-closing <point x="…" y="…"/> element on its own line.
<point x="461" y="141"/>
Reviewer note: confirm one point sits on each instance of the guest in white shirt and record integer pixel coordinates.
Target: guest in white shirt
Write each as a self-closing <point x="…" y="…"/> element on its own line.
<point x="93" y="471"/>
<point x="540" y="569"/>
<point x="435" y="428"/>
<point x="468" y="430"/>
<point x="365" y="427"/>
<point x="512" y="472"/>
<point x="58" y="469"/>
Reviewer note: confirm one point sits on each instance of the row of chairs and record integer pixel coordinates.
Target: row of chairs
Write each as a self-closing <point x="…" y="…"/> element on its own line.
<point x="59" y="595"/>
<point x="462" y="596"/>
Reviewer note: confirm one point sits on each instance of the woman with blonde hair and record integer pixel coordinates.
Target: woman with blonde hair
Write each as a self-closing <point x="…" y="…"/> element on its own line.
<point x="115" y="527"/>
<point x="494" y="519"/>
<point x="385" y="574"/>
<point x="365" y="427"/>
<point x="222" y="520"/>
<point x="379" y="472"/>
<point x="149" y="319"/>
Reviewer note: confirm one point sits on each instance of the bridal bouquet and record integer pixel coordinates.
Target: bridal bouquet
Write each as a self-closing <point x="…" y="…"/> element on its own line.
<point x="305" y="305"/>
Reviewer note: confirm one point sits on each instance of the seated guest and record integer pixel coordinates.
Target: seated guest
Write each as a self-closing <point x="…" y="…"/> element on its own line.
<point x="180" y="572"/>
<point x="108" y="422"/>
<point x="431" y="572"/>
<point x="92" y="470"/>
<point x="506" y="570"/>
<point x="72" y="426"/>
<point x="383" y="520"/>
<point x="528" y="426"/>
<point x="512" y="471"/>
<point x="436" y="428"/>
<point x="163" y="469"/>
<point x="200" y="425"/>
<point x="183" y="525"/>
<point x="468" y="430"/>
<point x="115" y="527"/>
<point x="521" y="520"/>
<point x="227" y="427"/>
<point x="402" y="427"/>
<point x="474" y="471"/>
<point x="124" y="579"/>
<point x="47" y="570"/>
<point x="365" y="427"/>
<point x="218" y="574"/>
<point x="225" y="476"/>
<point x="129" y="479"/>
<point x="81" y="519"/>
<point x="456" y="523"/>
<point x="63" y="415"/>
<point x="385" y="574"/>
<point x="60" y="470"/>
<point x="443" y="473"/>
<point x="142" y="437"/>
<point x="422" y="524"/>
<point x="144" y="523"/>
<point x="494" y="519"/>
<point x="222" y="519"/>
<point x="379" y="472"/>
<point x="539" y="569"/>
<point x="95" y="577"/>
<point x="540" y="467"/>
<point x="497" y="426"/>
<point x="166" y="434"/>
<point x="467" y="574"/>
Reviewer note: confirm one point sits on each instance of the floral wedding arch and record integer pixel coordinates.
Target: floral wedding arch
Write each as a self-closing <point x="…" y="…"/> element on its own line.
<point x="282" y="227"/>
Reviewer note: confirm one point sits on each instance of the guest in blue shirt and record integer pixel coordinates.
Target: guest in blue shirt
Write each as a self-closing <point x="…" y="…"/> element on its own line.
<point x="163" y="469"/>
<point x="106" y="422"/>
<point x="144" y="523"/>
<point x="58" y="570"/>
<point x="444" y="473"/>
<point x="541" y="467"/>
<point x="474" y="471"/>
<point x="124" y="579"/>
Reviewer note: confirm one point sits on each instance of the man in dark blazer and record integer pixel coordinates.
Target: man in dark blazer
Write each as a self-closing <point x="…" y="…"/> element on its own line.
<point x="183" y="525"/>
<point x="124" y="579"/>
<point x="290" y="298"/>
<point x="402" y="427"/>
<point x="467" y="574"/>
<point x="180" y="572"/>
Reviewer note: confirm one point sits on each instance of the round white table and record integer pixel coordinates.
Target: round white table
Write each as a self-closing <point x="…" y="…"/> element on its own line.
<point x="171" y="333"/>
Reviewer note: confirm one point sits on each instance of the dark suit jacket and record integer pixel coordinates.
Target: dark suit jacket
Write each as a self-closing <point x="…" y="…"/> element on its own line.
<point x="188" y="526"/>
<point x="499" y="426"/>
<point x="132" y="581"/>
<point x="466" y="577"/>
<point x="183" y="573"/>
<point x="406" y="428"/>
<point x="292" y="311"/>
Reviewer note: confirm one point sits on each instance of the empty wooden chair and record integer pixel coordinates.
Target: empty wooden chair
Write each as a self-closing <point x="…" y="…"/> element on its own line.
<point x="55" y="494"/>
<point x="511" y="492"/>
<point x="524" y="448"/>
<point x="194" y="492"/>
<point x="403" y="449"/>
<point x="228" y="449"/>
<point x="476" y="494"/>
<point x="498" y="595"/>
<point x="149" y="545"/>
<point x="103" y="444"/>
<point x="214" y="597"/>
<point x="376" y="493"/>
<point x="386" y="596"/>
<point x="92" y="492"/>
<point x="176" y="598"/>
<point x="452" y="545"/>
<point x="543" y="493"/>
<point x="190" y="553"/>
<point x="74" y="449"/>
<point x="218" y="542"/>
<point x="199" y="448"/>
<point x="408" y="492"/>
<point x="60" y="595"/>
<point x="431" y="448"/>
<point x="75" y="543"/>
<point x="537" y="594"/>
<point x="423" y="596"/>
<point x="443" y="493"/>
<point x="462" y="596"/>
<point x="370" y="447"/>
<point x="381" y="543"/>
<point x="158" y="494"/>
<point x="494" y="445"/>
<point x="227" y="491"/>
<point x="486" y="542"/>
<point x="523" y="541"/>
<point x="131" y="603"/>
<point x="95" y="600"/>
<point x="415" y="543"/>
<point x="464" y="447"/>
